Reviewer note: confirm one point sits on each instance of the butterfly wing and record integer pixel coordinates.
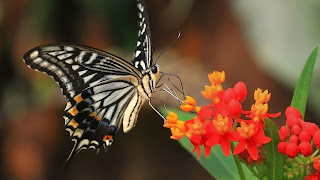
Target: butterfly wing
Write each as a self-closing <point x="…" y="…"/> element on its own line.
<point x="75" y="68"/>
<point x="101" y="90"/>
<point x="142" y="58"/>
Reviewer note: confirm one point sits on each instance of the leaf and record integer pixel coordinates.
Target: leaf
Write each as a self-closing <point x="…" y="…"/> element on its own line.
<point x="217" y="164"/>
<point x="274" y="159"/>
<point x="301" y="91"/>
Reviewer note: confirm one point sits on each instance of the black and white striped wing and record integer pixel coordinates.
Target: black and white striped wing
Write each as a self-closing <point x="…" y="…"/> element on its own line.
<point x="75" y="68"/>
<point x="101" y="90"/>
<point x="142" y="58"/>
<point x="94" y="116"/>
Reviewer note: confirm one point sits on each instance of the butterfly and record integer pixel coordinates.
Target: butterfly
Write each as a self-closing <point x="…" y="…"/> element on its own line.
<point x="103" y="90"/>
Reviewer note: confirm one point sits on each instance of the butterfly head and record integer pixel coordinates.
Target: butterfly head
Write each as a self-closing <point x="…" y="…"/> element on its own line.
<point x="155" y="69"/>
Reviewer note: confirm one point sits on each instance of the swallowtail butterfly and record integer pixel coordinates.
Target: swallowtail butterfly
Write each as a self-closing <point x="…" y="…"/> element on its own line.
<point x="103" y="90"/>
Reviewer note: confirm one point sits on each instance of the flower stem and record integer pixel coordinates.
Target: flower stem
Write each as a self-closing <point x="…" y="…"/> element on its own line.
<point x="237" y="161"/>
<point x="254" y="171"/>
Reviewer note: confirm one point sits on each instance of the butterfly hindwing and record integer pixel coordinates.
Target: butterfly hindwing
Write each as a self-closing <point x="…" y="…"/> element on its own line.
<point x="94" y="116"/>
<point x="142" y="58"/>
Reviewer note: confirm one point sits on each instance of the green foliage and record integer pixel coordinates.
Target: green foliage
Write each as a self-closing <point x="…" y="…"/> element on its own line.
<point x="301" y="91"/>
<point x="274" y="160"/>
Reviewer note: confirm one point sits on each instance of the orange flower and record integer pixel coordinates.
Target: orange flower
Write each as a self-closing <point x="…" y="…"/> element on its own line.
<point x="189" y="104"/>
<point x="262" y="97"/>
<point x="211" y="92"/>
<point x="259" y="110"/>
<point x="217" y="78"/>
<point x="177" y="127"/>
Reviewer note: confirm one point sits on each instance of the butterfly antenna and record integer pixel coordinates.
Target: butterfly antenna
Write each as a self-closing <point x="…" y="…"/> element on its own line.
<point x="182" y="90"/>
<point x="168" y="46"/>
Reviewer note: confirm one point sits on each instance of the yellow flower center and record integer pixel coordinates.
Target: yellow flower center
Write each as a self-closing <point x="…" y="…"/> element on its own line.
<point x="259" y="110"/>
<point x="221" y="124"/>
<point x="246" y="131"/>
<point x="262" y="97"/>
<point x="196" y="128"/>
<point x="217" y="77"/>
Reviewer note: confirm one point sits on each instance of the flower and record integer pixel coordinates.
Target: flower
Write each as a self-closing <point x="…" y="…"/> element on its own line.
<point x="259" y="110"/>
<point x="217" y="123"/>
<point x="217" y="77"/>
<point x="189" y="104"/>
<point x="176" y="126"/>
<point x="221" y="134"/>
<point x="196" y="131"/>
<point x="250" y="139"/>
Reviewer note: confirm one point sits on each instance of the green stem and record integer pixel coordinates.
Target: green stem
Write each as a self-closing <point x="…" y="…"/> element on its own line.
<point x="314" y="154"/>
<point x="237" y="161"/>
<point x="303" y="171"/>
<point x="253" y="171"/>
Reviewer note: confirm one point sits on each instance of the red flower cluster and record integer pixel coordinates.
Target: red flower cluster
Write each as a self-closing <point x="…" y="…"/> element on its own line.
<point x="298" y="135"/>
<point x="218" y="122"/>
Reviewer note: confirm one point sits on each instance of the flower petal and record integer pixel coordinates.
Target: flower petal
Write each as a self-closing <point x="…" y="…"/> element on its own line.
<point x="252" y="149"/>
<point x="213" y="139"/>
<point x="225" y="146"/>
<point x="240" y="146"/>
<point x="196" y="138"/>
<point x="207" y="150"/>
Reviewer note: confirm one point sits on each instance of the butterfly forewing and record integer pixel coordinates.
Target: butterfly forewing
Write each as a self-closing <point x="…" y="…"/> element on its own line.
<point x="142" y="57"/>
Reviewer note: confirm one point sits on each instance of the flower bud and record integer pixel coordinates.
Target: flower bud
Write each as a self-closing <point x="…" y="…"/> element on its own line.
<point x="294" y="139"/>
<point x="316" y="138"/>
<point x="282" y="146"/>
<point x="292" y="150"/>
<point x="292" y="111"/>
<point x="234" y="108"/>
<point x="292" y="120"/>
<point x="284" y="132"/>
<point x="305" y="136"/>
<point x="296" y="130"/>
<point x="310" y="127"/>
<point x="305" y="148"/>
<point x="241" y="90"/>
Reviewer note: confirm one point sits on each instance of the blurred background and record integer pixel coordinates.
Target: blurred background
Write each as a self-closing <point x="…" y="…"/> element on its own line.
<point x="264" y="44"/>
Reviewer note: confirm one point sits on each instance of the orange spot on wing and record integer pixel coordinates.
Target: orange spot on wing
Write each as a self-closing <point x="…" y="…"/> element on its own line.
<point x="95" y="116"/>
<point x="107" y="137"/>
<point x="73" y="111"/>
<point x="73" y="123"/>
<point x="78" y="98"/>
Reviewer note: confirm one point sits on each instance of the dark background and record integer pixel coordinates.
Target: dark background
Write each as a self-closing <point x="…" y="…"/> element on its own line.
<point x="34" y="145"/>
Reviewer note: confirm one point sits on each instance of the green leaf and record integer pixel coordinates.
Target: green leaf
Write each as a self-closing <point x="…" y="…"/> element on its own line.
<point x="301" y="91"/>
<point x="217" y="164"/>
<point x="274" y="159"/>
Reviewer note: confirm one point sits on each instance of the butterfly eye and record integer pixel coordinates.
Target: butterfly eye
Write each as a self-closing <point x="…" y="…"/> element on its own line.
<point x="154" y="69"/>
